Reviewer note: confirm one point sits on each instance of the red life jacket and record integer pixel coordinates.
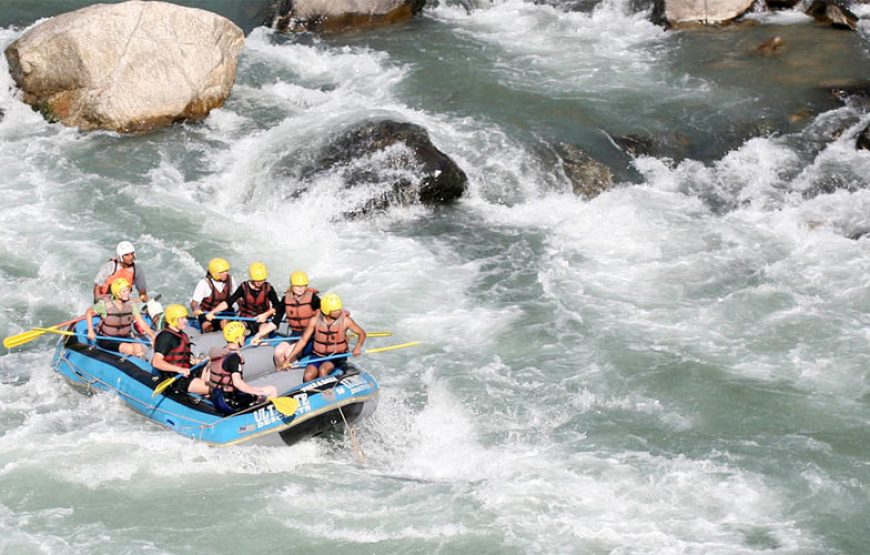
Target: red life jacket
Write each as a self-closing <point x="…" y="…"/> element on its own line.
<point x="119" y="272"/>
<point x="216" y="297"/>
<point x="179" y="355"/>
<point x="253" y="302"/>
<point x="219" y="377"/>
<point x="118" y="322"/>
<point x="330" y="339"/>
<point x="298" y="309"/>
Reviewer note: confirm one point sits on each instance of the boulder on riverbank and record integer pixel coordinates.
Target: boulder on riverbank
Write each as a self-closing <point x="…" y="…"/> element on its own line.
<point x="340" y="15"/>
<point x="395" y="157"/>
<point x="678" y="13"/>
<point x="132" y="66"/>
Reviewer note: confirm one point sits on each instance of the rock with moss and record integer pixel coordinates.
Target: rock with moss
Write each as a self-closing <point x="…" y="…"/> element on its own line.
<point x="133" y="66"/>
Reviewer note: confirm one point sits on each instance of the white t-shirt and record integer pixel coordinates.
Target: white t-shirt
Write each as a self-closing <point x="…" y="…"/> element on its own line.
<point x="202" y="289"/>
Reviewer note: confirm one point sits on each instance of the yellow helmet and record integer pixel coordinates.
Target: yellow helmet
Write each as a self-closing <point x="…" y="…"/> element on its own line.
<point x="173" y="313"/>
<point x="234" y="332"/>
<point x="298" y="278"/>
<point x="258" y="272"/>
<point x="330" y="303"/>
<point x="216" y="266"/>
<point x="119" y="285"/>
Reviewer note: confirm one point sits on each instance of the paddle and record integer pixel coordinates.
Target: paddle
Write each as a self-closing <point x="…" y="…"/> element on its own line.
<point x="285" y="405"/>
<point x="301" y="363"/>
<point x="161" y="387"/>
<point x="297" y="336"/>
<point x="27" y="336"/>
<point x="103" y="337"/>
<point x="237" y="318"/>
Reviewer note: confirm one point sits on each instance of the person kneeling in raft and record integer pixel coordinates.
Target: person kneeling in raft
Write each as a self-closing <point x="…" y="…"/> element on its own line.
<point x="172" y="354"/>
<point x="329" y="329"/>
<point x="116" y="320"/>
<point x="226" y="373"/>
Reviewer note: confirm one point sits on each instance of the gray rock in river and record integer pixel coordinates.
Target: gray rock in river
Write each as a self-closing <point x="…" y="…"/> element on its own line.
<point x="863" y="140"/>
<point x="589" y="177"/>
<point x="414" y="168"/>
<point x="834" y="12"/>
<point x="677" y="13"/>
<point x="132" y="66"/>
<point x="340" y="15"/>
<point x="775" y="5"/>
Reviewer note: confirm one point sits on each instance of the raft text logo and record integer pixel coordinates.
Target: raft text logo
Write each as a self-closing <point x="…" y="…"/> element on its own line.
<point x="266" y="416"/>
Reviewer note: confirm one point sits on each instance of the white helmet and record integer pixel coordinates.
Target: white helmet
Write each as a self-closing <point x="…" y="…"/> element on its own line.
<point x="124" y="247"/>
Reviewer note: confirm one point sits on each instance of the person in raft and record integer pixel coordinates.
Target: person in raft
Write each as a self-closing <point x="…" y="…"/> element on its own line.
<point x="117" y="316"/>
<point x="256" y="298"/>
<point x="329" y="330"/>
<point x="226" y="373"/>
<point x="121" y="266"/>
<point x="212" y="290"/>
<point x="172" y="355"/>
<point x="300" y="304"/>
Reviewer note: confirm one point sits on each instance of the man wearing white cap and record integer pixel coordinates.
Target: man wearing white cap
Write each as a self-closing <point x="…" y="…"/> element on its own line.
<point x="121" y="266"/>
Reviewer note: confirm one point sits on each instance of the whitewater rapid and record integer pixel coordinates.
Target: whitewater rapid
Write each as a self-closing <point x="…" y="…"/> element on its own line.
<point x="679" y="365"/>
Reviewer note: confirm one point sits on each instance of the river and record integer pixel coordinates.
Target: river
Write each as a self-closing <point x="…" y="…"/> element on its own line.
<point x="680" y="365"/>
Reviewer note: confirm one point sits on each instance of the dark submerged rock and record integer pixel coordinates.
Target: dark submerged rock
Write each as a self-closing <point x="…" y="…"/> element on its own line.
<point x="339" y="15"/>
<point x="774" y="5"/>
<point x="770" y="46"/>
<point x="438" y="180"/>
<point x="589" y="177"/>
<point x="833" y="12"/>
<point x="863" y="141"/>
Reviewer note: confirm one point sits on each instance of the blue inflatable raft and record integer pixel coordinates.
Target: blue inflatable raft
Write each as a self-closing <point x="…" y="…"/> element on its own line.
<point x="324" y="404"/>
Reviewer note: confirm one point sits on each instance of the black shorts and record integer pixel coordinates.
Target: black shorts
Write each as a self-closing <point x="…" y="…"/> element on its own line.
<point x="180" y="385"/>
<point x="114" y="346"/>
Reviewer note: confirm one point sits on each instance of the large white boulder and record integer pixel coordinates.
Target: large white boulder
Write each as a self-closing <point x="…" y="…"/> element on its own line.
<point x="681" y="12"/>
<point x="131" y="66"/>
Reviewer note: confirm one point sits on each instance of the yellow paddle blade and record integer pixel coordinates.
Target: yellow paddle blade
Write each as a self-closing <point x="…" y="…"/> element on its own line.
<point x="392" y="347"/>
<point x="21" y="338"/>
<point x="25" y="337"/>
<point x="285" y="405"/>
<point x="161" y="387"/>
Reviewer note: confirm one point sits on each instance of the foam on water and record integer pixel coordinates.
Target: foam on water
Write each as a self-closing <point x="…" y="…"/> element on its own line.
<point x="589" y="404"/>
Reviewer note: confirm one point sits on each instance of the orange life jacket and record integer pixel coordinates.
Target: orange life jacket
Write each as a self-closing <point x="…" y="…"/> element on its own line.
<point x="216" y="297"/>
<point x="298" y="309"/>
<point x="253" y="302"/>
<point x="120" y="271"/>
<point x="330" y="339"/>
<point x="118" y="322"/>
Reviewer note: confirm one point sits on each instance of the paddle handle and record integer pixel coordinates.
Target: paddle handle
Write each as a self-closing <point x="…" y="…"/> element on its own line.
<point x="122" y="339"/>
<point x="238" y="318"/>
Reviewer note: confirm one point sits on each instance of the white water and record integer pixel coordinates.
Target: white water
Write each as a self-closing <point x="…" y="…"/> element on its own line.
<point x="678" y="366"/>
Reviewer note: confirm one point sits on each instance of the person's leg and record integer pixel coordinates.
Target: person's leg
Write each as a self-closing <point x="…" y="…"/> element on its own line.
<point x="282" y="353"/>
<point x="134" y="349"/>
<point x="199" y="387"/>
<point x="310" y="373"/>
<point x="326" y="368"/>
